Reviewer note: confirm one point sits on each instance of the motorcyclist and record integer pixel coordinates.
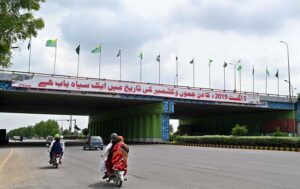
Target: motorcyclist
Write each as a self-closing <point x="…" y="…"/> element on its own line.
<point x="55" y="147"/>
<point x="62" y="143"/>
<point x="107" y="155"/>
<point x="120" y="155"/>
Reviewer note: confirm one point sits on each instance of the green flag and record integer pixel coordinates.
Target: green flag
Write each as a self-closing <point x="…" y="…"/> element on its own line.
<point x="267" y="71"/>
<point x="141" y="55"/>
<point x="97" y="49"/>
<point x="51" y="43"/>
<point x="210" y="61"/>
<point x="239" y="67"/>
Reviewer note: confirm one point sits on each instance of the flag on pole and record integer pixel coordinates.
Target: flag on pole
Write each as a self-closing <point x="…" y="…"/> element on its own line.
<point x="78" y="49"/>
<point x="253" y="70"/>
<point x="225" y="64"/>
<point x="239" y="67"/>
<point x="29" y="44"/>
<point x="158" y="58"/>
<point x="176" y="58"/>
<point x="119" y="53"/>
<point x="141" y="55"/>
<point x="267" y="71"/>
<point x="51" y="43"/>
<point x="97" y="49"/>
<point x="192" y="61"/>
<point x="277" y="73"/>
<point x="210" y="61"/>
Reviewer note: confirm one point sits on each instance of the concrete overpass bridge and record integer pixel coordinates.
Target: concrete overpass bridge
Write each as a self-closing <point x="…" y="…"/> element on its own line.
<point x="141" y="111"/>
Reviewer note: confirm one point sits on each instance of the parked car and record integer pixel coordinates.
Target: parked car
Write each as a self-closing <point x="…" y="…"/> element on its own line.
<point x="93" y="142"/>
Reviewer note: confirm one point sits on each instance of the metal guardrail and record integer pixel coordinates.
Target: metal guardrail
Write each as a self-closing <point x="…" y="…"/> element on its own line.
<point x="263" y="96"/>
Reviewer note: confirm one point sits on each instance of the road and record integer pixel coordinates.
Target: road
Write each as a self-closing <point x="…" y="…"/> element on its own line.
<point x="154" y="166"/>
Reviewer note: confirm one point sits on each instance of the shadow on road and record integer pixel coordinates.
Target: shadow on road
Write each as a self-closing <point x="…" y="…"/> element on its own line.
<point x="102" y="184"/>
<point x="46" y="167"/>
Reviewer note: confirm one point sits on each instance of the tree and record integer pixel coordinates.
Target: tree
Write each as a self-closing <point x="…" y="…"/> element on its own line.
<point x="85" y="131"/>
<point x="45" y="128"/>
<point x="238" y="130"/>
<point x="66" y="132"/>
<point x="17" y="23"/>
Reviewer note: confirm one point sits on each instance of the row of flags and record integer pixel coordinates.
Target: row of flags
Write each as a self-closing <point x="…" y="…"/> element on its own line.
<point x="97" y="49"/>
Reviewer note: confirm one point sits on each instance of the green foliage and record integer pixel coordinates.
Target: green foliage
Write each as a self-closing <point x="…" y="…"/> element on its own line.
<point x="17" y="22"/>
<point x="171" y="129"/>
<point x="66" y="132"/>
<point x="85" y="131"/>
<point x="278" y="133"/>
<point x="238" y="130"/>
<point x="244" y="140"/>
<point x="22" y="131"/>
<point x="45" y="128"/>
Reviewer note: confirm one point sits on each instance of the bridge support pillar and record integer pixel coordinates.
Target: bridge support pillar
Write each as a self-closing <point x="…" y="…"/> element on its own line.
<point x="146" y="123"/>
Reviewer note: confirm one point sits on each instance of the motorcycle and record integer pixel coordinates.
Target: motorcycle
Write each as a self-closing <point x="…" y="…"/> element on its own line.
<point x="55" y="161"/>
<point x="117" y="177"/>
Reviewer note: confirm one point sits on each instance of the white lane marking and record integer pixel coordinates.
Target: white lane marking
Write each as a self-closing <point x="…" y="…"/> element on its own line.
<point x="259" y="163"/>
<point x="203" y="167"/>
<point x="6" y="159"/>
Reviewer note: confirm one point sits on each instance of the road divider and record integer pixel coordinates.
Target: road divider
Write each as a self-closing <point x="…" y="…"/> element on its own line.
<point x="233" y="146"/>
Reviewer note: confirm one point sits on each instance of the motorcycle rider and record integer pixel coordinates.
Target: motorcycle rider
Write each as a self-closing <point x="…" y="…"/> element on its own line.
<point x="119" y="156"/>
<point x="62" y="143"/>
<point x="55" y="147"/>
<point x="107" y="155"/>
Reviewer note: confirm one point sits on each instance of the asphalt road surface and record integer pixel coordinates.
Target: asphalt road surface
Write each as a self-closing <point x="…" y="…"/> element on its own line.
<point x="154" y="167"/>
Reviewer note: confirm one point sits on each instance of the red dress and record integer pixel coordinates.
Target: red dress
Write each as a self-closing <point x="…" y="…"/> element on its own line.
<point x="119" y="157"/>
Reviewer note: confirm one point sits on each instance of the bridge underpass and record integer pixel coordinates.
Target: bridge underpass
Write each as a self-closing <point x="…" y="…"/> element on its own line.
<point x="207" y="119"/>
<point x="145" y="118"/>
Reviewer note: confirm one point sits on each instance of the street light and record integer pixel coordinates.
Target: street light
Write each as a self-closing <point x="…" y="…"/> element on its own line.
<point x="234" y="66"/>
<point x="288" y="58"/>
<point x="224" y="65"/>
<point x="290" y="86"/>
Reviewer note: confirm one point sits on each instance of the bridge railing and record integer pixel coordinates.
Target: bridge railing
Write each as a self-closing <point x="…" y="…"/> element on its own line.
<point x="263" y="96"/>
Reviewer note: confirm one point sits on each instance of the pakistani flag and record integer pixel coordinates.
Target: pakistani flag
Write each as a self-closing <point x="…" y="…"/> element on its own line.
<point x="97" y="49"/>
<point x="78" y="50"/>
<point x="158" y="58"/>
<point x="192" y="61"/>
<point x="277" y="73"/>
<point x="119" y="53"/>
<point x="210" y="61"/>
<point x="239" y="68"/>
<point x="267" y="71"/>
<point x="51" y="43"/>
<point x="141" y="55"/>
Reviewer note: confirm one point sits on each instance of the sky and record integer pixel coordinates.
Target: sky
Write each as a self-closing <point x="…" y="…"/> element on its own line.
<point x="231" y="30"/>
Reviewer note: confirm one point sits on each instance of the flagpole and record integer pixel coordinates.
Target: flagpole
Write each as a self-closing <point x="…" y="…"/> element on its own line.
<point x="100" y="62"/>
<point x="266" y="82"/>
<point x="159" y="70"/>
<point x="177" y="70"/>
<point x="140" y="68"/>
<point x="240" y="80"/>
<point x="253" y="79"/>
<point x="209" y="74"/>
<point x="120" y="66"/>
<point x="224" y="76"/>
<point x="193" y="73"/>
<point x="55" y="57"/>
<point x="29" y="54"/>
<point x="277" y="83"/>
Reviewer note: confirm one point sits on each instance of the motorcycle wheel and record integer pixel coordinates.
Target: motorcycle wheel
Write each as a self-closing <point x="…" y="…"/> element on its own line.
<point x="119" y="182"/>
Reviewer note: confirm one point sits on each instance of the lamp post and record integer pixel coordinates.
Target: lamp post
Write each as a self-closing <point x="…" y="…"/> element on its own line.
<point x="288" y="59"/>
<point x="292" y="88"/>
<point x="234" y="66"/>
<point x="224" y="65"/>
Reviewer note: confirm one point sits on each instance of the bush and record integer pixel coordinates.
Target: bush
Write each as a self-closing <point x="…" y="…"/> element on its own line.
<point x="238" y="130"/>
<point x="278" y="133"/>
<point x="244" y="140"/>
